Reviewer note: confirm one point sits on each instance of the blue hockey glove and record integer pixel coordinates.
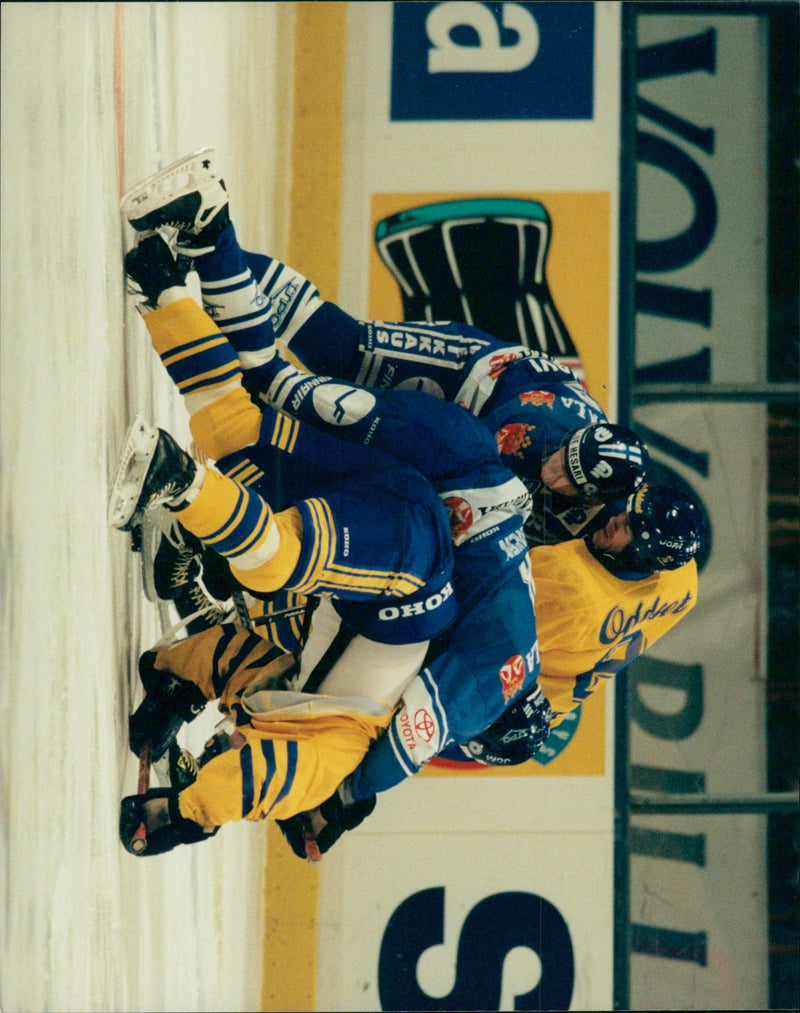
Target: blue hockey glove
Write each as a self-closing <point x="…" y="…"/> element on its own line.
<point x="517" y="735"/>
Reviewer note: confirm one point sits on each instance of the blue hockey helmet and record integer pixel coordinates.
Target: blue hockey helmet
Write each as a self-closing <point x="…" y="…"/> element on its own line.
<point x="605" y="461"/>
<point x="667" y="527"/>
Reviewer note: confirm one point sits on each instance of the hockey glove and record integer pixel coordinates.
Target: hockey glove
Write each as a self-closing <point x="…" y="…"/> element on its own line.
<point x="168" y="704"/>
<point x="517" y="735"/>
<point x="174" y="831"/>
<point x="153" y="268"/>
<point x="339" y="819"/>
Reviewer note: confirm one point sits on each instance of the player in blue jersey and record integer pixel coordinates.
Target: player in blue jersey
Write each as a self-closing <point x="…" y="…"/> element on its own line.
<point x="601" y="602"/>
<point x="549" y="431"/>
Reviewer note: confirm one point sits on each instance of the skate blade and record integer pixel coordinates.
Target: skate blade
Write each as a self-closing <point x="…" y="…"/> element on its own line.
<point x="198" y="165"/>
<point x="134" y="460"/>
<point x="151" y="539"/>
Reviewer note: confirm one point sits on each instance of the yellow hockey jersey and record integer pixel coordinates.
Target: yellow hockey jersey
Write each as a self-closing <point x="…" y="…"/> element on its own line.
<point x="591" y="624"/>
<point x="295" y="748"/>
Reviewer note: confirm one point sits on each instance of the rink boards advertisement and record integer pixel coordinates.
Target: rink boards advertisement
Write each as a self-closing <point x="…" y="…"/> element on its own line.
<point x="479" y="142"/>
<point x="698" y="914"/>
<point x="479" y="156"/>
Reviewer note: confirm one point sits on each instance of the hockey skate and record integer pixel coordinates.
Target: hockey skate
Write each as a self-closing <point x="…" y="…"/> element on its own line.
<point x="173" y="572"/>
<point x="170" y="556"/>
<point x="152" y="469"/>
<point x="186" y="196"/>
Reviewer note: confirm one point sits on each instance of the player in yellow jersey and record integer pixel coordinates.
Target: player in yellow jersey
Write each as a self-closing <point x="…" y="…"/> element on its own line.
<point x="600" y="603"/>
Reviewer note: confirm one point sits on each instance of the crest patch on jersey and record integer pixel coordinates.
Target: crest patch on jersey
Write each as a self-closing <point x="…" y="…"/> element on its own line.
<point x="512" y="676"/>
<point x="461" y="516"/>
<point x="513" y="438"/>
<point x="538" y="398"/>
<point x="342" y="405"/>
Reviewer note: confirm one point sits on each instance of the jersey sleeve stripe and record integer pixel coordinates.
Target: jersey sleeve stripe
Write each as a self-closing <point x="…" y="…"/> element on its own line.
<point x="398" y="749"/>
<point x="231" y="282"/>
<point x="218" y="680"/>
<point x="436" y="705"/>
<point x="268" y="752"/>
<point x="248" y="787"/>
<point x="211" y="378"/>
<point x="291" y="771"/>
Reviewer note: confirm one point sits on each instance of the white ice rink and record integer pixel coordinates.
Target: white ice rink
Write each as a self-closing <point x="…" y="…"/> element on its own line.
<point x="94" y="96"/>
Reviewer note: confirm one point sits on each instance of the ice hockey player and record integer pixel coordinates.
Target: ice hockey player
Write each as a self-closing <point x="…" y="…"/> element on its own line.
<point x="548" y="429"/>
<point x="601" y="602"/>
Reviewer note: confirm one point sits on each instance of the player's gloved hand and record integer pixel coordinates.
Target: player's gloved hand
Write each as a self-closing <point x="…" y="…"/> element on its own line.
<point x="517" y="735"/>
<point x="338" y="818"/>
<point x="165" y="827"/>
<point x="169" y="703"/>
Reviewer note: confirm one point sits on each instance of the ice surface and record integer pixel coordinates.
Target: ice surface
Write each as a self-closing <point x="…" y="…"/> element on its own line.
<point x="93" y="97"/>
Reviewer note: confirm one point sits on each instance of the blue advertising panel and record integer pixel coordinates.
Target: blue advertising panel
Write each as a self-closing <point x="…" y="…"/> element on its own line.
<point x="492" y="61"/>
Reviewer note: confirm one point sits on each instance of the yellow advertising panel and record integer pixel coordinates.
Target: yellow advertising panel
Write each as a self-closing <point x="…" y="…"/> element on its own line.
<point x="575" y="265"/>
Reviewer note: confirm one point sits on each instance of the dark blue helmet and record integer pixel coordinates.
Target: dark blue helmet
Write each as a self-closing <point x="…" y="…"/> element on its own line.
<point x="667" y="527"/>
<point x="605" y="461"/>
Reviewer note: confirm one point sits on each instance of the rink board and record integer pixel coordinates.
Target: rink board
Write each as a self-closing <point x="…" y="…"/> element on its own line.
<point x="468" y="889"/>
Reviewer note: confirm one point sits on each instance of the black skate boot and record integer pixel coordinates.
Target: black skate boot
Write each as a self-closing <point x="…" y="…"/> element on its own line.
<point x="170" y="556"/>
<point x="193" y="603"/>
<point x="186" y="196"/>
<point x="173" y="569"/>
<point x="152" y="469"/>
<point x="154" y="269"/>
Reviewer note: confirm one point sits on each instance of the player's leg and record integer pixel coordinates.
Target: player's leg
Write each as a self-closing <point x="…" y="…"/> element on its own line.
<point x="180" y="677"/>
<point x="250" y="294"/>
<point x="200" y="360"/>
<point x="247" y="294"/>
<point x="261" y="546"/>
<point x="255" y="299"/>
<point x="357" y="544"/>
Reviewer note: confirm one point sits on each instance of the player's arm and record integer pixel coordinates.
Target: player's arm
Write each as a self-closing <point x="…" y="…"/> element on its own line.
<point x="179" y="679"/>
<point x="241" y="783"/>
<point x="441" y="440"/>
<point x="220" y="661"/>
<point x="279" y="767"/>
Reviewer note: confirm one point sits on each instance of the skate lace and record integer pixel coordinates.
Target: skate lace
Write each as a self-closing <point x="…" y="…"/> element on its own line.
<point x="180" y="571"/>
<point x="205" y="605"/>
<point x="181" y="224"/>
<point x="169" y="490"/>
